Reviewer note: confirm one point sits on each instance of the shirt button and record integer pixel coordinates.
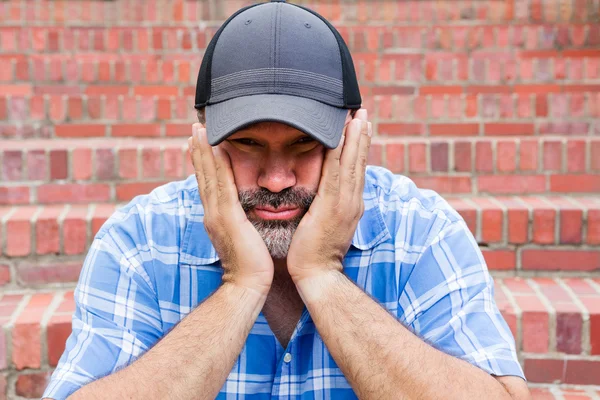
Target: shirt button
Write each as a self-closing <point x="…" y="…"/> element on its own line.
<point x="287" y="358"/>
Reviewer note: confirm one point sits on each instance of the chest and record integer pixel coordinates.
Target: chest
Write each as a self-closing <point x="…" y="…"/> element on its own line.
<point x="282" y="310"/>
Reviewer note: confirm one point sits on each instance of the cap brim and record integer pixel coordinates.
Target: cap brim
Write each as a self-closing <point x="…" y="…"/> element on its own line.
<point x="321" y="121"/>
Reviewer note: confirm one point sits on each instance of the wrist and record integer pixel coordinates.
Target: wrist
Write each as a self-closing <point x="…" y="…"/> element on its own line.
<point x="249" y="295"/>
<point x="315" y="287"/>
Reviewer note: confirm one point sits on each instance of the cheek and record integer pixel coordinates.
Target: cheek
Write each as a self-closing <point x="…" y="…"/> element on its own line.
<point x="245" y="169"/>
<point x="308" y="169"/>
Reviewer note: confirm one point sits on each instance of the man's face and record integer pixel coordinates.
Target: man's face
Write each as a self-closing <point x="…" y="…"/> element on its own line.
<point x="277" y="169"/>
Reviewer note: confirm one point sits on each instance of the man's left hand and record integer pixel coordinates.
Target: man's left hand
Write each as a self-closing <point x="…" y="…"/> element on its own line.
<point x="324" y="235"/>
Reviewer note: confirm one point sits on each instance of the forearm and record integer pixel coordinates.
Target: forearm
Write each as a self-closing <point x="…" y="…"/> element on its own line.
<point x="380" y="357"/>
<point x="194" y="359"/>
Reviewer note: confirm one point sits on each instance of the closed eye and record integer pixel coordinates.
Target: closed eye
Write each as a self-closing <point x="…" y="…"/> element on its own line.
<point x="304" y="140"/>
<point x="246" y="142"/>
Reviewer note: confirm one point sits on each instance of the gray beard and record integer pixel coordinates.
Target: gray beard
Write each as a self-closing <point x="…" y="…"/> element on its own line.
<point x="277" y="235"/>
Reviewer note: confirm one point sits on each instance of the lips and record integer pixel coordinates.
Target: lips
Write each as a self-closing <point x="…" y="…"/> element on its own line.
<point x="283" y="213"/>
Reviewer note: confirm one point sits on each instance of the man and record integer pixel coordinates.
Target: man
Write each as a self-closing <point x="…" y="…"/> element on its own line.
<point x="285" y="268"/>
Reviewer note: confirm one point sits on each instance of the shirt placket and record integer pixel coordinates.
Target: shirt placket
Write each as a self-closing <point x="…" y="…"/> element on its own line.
<point x="285" y="382"/>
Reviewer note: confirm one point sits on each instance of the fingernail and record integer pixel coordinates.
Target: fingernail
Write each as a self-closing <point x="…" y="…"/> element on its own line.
<point x="195" y="132"/>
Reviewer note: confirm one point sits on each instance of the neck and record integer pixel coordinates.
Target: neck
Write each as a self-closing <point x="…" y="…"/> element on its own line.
<point x="281" y="272"/>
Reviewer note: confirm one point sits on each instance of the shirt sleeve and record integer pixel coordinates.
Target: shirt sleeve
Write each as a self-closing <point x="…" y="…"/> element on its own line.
<point x="116" y="315"/>
<point x="448" y="301"/>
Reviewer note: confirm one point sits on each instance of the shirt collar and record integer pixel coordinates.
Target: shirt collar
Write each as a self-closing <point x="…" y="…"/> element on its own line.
<point x="196" y="248"/>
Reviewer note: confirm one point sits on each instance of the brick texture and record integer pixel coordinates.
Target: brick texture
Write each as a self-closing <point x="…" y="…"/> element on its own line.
<point x="494" y="104"/>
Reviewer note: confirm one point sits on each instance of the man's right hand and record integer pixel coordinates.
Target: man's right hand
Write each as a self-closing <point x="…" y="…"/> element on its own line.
<point x="244" y="256"/>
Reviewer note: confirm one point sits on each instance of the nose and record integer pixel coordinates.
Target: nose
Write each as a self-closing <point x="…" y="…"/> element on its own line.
<point x="277" y="173"/>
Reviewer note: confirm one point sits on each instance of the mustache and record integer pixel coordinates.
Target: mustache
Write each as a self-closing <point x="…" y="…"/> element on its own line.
<point x="299" y="197"/>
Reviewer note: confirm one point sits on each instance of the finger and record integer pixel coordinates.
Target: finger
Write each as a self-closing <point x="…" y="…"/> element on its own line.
<point x="197" y="163"/>
<point x="349" y="156"/>
<point x="227" y="191"/>
<point x="329" y="185"/>
<point x="362" y="114"/>
<point x="207" y="163"/>
<point x="363" y="156"/>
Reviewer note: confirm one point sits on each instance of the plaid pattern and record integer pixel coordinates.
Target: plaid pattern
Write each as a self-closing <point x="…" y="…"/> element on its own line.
<point x="152" y="263"/>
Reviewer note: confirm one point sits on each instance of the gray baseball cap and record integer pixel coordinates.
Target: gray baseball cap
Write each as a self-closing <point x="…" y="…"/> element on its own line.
<point x="277" y="62"/>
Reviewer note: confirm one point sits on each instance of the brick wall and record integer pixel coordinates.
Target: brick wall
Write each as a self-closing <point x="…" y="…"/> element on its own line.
<point x="494" y="103"/>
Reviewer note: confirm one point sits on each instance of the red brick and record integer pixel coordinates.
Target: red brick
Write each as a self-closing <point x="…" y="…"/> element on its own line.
<point x="74" y="193"/>
<point x="512" y="184"/>
<point x="26" y="334"/>
<point x="544" y="217"/>
<point x="575" y="183"/>
<point x="79" y="130"/>
<point x="491" y="220"/>
<point x="400" y="129"/>
<point x="58" y="330"/>
<point x="506" y="156"/>
<point x="128" y="163"/>
<point x="12" y="165"/>
<point x="41" y="274"/>
<point x="37" y="165"/>
<point x="4" y="279"/>
<point x="552" y="156"/>
<point x="395" y="157"/>
<point x="528" y="152"/>
<point x="101" y="213"/>
<point x="466" y="211"/>
<point x="500" y="259"/>
<point x="592" y="304"/>
<point x="454" y="129"/>
<point x="181" y="130"/>
<point x="14" y="195"/>
<point x="18" y="231"/>
<point x="445" y="184"/>
<point x="151" y="162"/>
<point x="439" y="157"/>
<point x="517" y="219"/>
<point x="94" y="107"/>
<point x="595" y="156"/>
<point x="98" y="90"/>
<point x="47" y="230"/>
<point x="544" y="370"/>
<point x="593" y="233"/>
<point x="471" y="106"/>
<point x="535" y="324"/>
<point x="582" y="372"/>
<point x="127" y="191"/>
<point x="137" y="130"/>
<point x="484" y="157"/>
<point x="417" y="157"/>
<point x="571" y="220"/>
<point x="173" y="164"/>
<point x="75" y="230"/>
<point x="32" y="384"/>
<point x="105" y="164"/>
<point x="462" y="156"/>
<point x="59" y="164"/>
<point x="163" y="109"/>
<point x="501" y="129"/>
<point x="563" y="260"/>
<point x="81" y="164"/>
<point x="568" y="330"/>
<point x="156" y="91"/>
<point x="576" y="156"/>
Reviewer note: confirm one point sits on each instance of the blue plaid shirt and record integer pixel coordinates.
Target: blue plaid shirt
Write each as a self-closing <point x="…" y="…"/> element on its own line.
<point x="152" y="263"/>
